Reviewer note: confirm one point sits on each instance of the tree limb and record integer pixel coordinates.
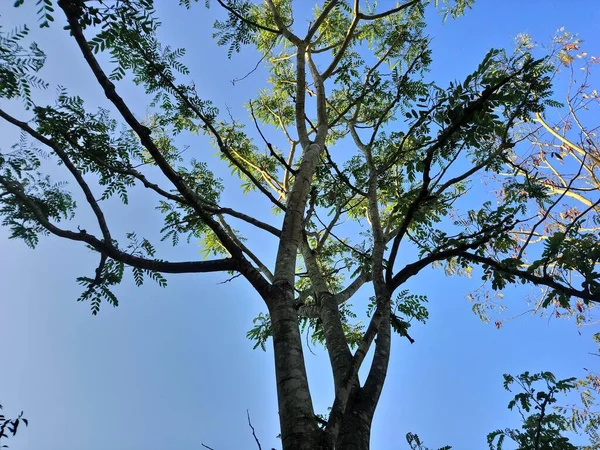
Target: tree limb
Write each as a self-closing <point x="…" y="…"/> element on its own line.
<point x="109" y="250"/>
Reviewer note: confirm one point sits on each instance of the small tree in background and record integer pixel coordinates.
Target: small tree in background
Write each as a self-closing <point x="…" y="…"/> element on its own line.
<point x="545" y="425"/>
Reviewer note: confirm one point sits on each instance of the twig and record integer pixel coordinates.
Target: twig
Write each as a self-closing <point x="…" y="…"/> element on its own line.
<point x="235" y="80"/>
<point x="206" y="446"/>
<point x="253" y="433"/>
<point x="269" y="145"/>
<point x="231" y="278"/>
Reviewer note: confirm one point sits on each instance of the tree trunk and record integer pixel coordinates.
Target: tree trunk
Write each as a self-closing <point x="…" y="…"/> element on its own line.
<point x="299" y="430"/>
<point x="355" y="433"/>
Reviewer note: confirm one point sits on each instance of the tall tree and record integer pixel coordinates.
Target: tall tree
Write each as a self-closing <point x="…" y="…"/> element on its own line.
<point x="373" y="187"/>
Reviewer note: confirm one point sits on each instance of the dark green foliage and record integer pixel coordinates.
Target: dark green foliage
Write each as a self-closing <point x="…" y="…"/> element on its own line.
<point x="542" y="429"/>
<point x="18" y="64"/>
<point x="408" y="306"/>
<point x="261" y="332"/>
<point x="415" y="443"/>
<point x="20" y="172"/>
<point x="234" y="31"/>
<point x="9" y="427"/>
<point x="45" y="11"/>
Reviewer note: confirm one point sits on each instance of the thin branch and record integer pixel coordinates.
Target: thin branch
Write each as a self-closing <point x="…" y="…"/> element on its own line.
<point x="253" y="433"/>
<point x="64" y="157"/>
<point x="535" y="279"/>
<point x="548" y="210"/>
<point x="261" y="267"/>
<point x="342" y="50"/>
<point x="578" y="149"/>
<point x="246" y="218"/>
<point x="246" y="21"/>
<point x="277" y="156"/>
<point x="315" y="27"/>
<point x="477" y="240"/>
<point x="387" y="13"/>
<point x="235" y="80"/>
<point x="342" y="175"/>
<point x="220" y="142"/>
<point x="445" y="135"/>
<point x="143" y="132"/>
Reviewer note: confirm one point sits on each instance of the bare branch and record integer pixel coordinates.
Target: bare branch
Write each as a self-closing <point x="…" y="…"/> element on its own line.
<point x="253" y="433"/>
<point x="548" y="210"/>
<point x="275" y="155"/>
<point x="261" y="267"/>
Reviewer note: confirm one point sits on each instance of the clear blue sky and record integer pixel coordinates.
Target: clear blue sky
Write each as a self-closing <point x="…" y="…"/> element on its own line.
<point x="161" y="372"/>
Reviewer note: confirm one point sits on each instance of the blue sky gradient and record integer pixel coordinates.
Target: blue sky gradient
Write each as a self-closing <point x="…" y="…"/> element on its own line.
<point x="161" y="372"/>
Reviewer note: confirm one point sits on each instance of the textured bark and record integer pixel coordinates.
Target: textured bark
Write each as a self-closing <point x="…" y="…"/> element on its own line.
<point x="356" y="427"/>
<point x="299" y="429"/>
<point x="337" y="344"/>
<point x="355" y="431"/>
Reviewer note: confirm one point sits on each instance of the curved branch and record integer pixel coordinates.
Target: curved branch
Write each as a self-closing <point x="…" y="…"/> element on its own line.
<point x="89" y="196"/>
<point x="388" y="12"/>
<point x="111" y="251"/>
<point x="283" y="29"/>
<point x="246" y="21"/>
<point x="315" y="27"/>
<point x="143" y="132"/>
<point x="351" y="289"/>
<point x="535" y="279"/>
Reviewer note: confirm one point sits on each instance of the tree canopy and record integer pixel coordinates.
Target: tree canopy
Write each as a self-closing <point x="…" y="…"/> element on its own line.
<point x="367" y="166"/>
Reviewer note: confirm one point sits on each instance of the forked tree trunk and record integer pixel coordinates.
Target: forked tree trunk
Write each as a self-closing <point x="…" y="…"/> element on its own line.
<point x="299" y="429"/>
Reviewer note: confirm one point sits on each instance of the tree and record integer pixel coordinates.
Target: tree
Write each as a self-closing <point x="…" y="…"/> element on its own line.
<point x="545" y="427"/>
<point x="564" y="154"/>
<point x="378" y="156"/>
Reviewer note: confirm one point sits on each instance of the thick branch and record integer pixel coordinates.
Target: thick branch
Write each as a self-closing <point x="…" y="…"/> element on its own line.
<point x="109" y="250"/>
<point x="336" y="342"/>
<point x="352" y="288"/>
<point x="144" y="135"/>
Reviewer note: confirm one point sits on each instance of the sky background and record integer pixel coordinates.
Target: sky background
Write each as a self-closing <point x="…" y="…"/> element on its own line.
<point x="164" y="370"/>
